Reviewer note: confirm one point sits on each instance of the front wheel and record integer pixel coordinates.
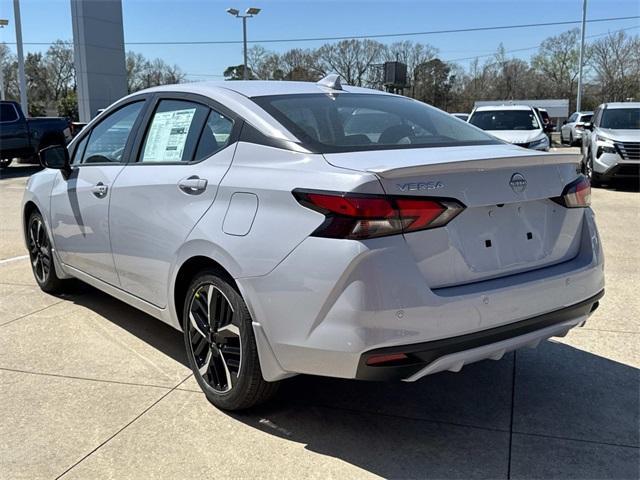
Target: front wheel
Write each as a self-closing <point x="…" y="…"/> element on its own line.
<point x="41" y="256"/>
<point x="594" y="178"/>
<point x="221" y="346"/>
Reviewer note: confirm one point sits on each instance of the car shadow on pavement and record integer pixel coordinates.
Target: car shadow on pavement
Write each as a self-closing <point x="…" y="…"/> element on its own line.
<point x="551" y="412"/>
<point x="621" y="186"/>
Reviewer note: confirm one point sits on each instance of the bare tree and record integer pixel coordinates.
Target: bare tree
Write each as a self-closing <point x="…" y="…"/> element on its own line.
<point x="616" y="62"/>
<point x="412" y="55"/>
<point x="61" y="72"/>
<point x="144" y="73"/>
<point x="351" y="59"/>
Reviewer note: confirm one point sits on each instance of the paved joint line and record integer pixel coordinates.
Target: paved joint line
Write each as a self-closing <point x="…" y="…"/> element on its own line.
<point x="123" y="428"/>
<point x="31" y="313"/>
<point x="88" y="379"/>
<point x="19" y="284"/>
<point x="13" y="259"/>
<point x="513" y="403"/>
<point x="584" y="440"/>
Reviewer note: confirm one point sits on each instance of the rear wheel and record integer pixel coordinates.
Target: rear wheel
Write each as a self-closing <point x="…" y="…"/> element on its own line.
<point x="221" y="346"/>
<point x="41" y="256"/>
<point x="571" y="141"/>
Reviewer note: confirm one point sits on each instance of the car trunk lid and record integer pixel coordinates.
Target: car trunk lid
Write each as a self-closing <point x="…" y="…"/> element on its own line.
<point x="509" y="225"/>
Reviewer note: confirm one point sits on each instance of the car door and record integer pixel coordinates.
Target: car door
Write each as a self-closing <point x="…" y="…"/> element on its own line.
<point x="80" y="200"/>
<point x="566" y="128"/>
<point x="171" y="181"/>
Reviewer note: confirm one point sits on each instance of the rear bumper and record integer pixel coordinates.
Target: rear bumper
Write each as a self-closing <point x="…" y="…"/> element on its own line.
<point x="329" y="303"/>
<point x="453" y="353"/>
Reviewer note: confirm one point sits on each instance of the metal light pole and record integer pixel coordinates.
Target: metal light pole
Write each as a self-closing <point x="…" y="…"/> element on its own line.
<point x="21" y="78"/>
<point x="250" y="12"/>
<point x="584" y="21"/>
<point x="3" y="23"/>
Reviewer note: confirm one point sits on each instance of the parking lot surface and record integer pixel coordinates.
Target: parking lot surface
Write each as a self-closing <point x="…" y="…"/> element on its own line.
<point x="92" y="388"/>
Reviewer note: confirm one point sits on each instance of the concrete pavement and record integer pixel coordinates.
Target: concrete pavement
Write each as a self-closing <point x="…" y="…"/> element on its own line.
<point x="92" y="388"/>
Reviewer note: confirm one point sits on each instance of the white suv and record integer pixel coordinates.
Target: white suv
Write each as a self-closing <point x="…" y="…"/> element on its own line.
<point x="573" y="128"/>
<point x="612" y="146"/>
<point x="517" y="124"/>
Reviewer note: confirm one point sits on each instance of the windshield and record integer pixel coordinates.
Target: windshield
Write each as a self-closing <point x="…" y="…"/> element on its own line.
<point x="347" y="122"/>
<point x="621" y="118"/>
<point x="505" y="120"/>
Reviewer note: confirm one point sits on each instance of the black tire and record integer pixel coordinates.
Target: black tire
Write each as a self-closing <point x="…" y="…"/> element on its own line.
<point x="5" y="162"/>
<point x="41" y="256"/>
<point x="594" y="177"/>
<point x="221" y="346"/>
<point x="571" y="141"/>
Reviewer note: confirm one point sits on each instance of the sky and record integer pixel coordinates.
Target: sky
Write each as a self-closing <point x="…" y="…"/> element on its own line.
<point x="199" y="20"/>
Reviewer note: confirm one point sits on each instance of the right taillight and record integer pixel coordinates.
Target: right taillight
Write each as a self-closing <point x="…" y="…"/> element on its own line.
<point x="358" y="216"/>
<point x="576" y="195"/>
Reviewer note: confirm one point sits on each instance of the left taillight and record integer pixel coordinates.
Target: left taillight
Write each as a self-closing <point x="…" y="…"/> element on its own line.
<point x="577" y="194"/>
<point x="358" y="216"/>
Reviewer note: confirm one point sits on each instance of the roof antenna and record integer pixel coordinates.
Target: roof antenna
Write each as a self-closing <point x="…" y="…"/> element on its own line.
<point x="331" y="81"/>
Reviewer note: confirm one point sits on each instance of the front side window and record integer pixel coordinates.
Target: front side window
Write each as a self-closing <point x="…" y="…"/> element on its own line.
<point x="621" y="118"/>
<point x="108" y="139"/>
<point x="346" y="122"/>
<point x="8" y="113"/>
<point x="505" y="120"/>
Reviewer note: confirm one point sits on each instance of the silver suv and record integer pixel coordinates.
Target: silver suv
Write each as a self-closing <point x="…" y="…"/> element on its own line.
<point x="612" y="146"/>
<point x="290" y="227"/>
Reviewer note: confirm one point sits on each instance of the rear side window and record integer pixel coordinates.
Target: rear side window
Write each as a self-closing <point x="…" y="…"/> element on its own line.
<point x="8" y="113"/>
<point x="345" y="122"/>
<point x="108" y="139"/>
<point x="215" y="135"/>
<point x="173" y="132"/>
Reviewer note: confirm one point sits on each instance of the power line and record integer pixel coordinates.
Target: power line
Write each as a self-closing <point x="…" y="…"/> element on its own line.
<point x="358" y="37"/>
<point x="534" y="47"/>
<point x="458" y="59"/>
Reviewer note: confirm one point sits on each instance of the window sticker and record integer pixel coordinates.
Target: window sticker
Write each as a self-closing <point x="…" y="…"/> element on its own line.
<point x="168" y="136"/>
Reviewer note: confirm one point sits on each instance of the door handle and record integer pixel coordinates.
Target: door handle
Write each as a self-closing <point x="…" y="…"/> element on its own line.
<point x="193" y="185"/>
<point x="100" y="190"/>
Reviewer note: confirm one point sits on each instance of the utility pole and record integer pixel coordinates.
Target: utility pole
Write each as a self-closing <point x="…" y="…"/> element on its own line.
<point x="584" y="21"/>
<point x="3" y="23"/>
<point x="21" y="77"/>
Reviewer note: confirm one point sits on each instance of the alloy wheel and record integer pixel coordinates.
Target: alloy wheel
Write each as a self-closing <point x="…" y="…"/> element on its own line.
<point x="39" y="250"/>
<point x="214" y="337"/>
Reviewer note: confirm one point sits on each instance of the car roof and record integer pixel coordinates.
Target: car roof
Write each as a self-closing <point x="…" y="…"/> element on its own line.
<point x="622" y="105"/>
<point x="258" y="88"/>
<point x="492" y="108"/>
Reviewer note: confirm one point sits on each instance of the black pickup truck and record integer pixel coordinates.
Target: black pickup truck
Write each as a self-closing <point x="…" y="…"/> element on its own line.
<point x="23" y="138"/>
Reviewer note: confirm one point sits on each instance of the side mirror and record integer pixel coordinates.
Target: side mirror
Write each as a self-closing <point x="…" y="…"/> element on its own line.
<point x="57" y="157"/>
<point x="564" y="123"/>
<point x="588" y="126"/>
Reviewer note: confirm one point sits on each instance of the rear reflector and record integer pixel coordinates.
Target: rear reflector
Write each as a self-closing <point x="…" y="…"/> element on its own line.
<point x="576" y="195"/>
<point x="358" y="216"/>
<point x="382" y="359"/>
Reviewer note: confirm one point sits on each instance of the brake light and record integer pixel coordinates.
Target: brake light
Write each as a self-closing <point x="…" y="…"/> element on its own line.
<point x="576" y="195"/>
<point x="358" y="216"/>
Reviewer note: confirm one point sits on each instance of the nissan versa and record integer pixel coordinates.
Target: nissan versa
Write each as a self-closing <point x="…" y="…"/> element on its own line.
<point x="313" y="228"/>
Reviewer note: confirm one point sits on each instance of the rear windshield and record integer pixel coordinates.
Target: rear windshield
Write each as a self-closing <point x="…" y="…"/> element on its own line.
<point x="505" y="120"/>
<point x="621" y="118"/>
<point x="586" y="118"/>
<point x="347" y="122"/>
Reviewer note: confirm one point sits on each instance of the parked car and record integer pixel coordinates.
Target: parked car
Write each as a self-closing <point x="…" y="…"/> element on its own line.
<point x="23" y="137"/>
<point x="517" y="124"/>
<point x="612" y="142"/>
<point x="462" y="116"/>
<point x="244" y="214"/>
<point x="573" y="128"/>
